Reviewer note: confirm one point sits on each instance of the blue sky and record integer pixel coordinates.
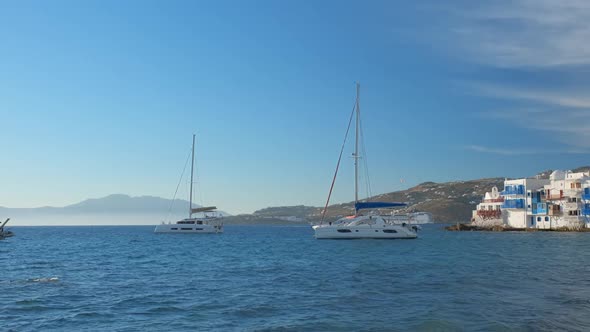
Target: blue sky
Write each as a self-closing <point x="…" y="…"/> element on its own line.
<point x="101" y="97"/>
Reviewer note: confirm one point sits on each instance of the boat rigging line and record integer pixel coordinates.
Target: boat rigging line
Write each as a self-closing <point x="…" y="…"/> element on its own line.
<point x="177" y="186"/>
<point x="338" y="164"/>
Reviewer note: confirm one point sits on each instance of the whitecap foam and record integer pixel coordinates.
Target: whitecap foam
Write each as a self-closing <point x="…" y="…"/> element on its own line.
<point x="50" y="279"/>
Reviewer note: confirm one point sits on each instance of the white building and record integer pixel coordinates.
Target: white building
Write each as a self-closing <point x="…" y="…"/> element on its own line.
<point x="517" y="200"/>
<point x="488" y="212"/>
<point x="563" y="200"/>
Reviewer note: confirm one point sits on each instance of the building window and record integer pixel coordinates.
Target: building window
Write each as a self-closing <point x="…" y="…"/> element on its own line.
<point x="538" y="218"/>
<point x="546" y="218"/>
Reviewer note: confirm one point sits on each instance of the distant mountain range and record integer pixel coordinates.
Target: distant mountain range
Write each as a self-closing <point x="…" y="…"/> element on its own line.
<point x="113" y="204"/>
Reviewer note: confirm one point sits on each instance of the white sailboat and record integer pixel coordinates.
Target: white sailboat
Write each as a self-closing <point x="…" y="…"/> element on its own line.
<point x="361" y="226"/>
<point x="209" y="221"/>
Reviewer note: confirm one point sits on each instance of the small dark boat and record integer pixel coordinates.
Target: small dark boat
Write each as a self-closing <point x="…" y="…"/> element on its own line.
<point x="4" y="233"/>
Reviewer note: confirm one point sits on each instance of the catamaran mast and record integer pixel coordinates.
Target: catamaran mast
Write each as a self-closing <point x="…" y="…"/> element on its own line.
<point x="190" y="206"/>
<point x="356" y="146"/>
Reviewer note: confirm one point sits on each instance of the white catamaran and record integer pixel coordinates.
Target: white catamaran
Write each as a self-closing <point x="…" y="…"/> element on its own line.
<point x="361" y="226"/>
<point x="210" y="221"/>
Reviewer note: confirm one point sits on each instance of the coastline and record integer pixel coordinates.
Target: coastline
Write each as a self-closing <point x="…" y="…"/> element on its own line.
<point x="459" y="227"/>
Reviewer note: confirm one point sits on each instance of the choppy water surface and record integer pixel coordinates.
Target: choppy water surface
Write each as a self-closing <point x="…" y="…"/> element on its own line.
<point x="281" y="278"/>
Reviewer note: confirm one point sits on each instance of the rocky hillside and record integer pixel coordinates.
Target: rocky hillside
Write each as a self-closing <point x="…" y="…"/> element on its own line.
<point x="448" y="201"/>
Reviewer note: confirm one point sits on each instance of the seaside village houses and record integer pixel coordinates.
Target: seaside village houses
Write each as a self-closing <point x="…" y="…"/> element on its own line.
<point x="562" y="201"/>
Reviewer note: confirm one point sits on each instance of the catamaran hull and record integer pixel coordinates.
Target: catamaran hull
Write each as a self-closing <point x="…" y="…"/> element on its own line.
<point x="188" y="229"/>
<point x="352" y="232"/>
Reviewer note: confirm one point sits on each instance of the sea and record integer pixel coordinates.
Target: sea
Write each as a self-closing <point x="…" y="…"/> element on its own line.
<point x="279" y="278"/>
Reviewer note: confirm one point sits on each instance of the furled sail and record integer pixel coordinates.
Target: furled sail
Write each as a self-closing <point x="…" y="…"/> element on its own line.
<point x="203" y="209"/>
<point x="376" y="205"/>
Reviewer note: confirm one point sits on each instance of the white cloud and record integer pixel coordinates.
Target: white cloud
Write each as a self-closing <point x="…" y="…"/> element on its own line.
<point x="538" y="40"/>
<point x="571" y="128"/>
<point x="524" y="151"/>
<point x="554" y="97"/>
<point x="525" y="33"/>
<point x="502" y="151"/>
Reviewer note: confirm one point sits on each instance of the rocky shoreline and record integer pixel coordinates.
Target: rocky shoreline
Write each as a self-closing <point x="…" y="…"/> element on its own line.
<point x="499" y="228"/>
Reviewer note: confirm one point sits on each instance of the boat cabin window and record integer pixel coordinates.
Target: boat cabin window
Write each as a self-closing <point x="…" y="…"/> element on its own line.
<point x="186" y="229"/>
<point x="198" y="229"/>
<point x="344" y="231"/>
<point x="389" y="231"/>
<point x="174" y="228"/>
<point x="186" y="222"/>
<point x="199" y="222"/>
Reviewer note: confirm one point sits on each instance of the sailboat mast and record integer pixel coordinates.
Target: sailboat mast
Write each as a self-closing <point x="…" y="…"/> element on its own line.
<point x="356" y="145"/>
<point x="190" y="205"/>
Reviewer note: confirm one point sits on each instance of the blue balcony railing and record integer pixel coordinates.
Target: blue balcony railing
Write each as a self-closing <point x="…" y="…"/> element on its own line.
<point x="513" y="190"/>
<point x="513" y="204"/>
<point x="539" y="211"/>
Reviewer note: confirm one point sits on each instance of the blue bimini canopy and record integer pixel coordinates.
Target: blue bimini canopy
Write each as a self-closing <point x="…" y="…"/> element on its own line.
<point x="376" y="205"/>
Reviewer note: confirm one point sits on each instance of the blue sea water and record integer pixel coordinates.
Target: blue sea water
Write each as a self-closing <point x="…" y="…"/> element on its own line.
<point x="280" y="278"/>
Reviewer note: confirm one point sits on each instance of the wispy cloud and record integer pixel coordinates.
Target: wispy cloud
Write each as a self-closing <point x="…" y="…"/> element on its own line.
<point x="520" y="33"/>
<point x="532" y="38"/>
<point x="521" y="152"/>
<point x="564" y="118"/>
<point x="501" y="151"/>
<point x="553" y="97"/>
